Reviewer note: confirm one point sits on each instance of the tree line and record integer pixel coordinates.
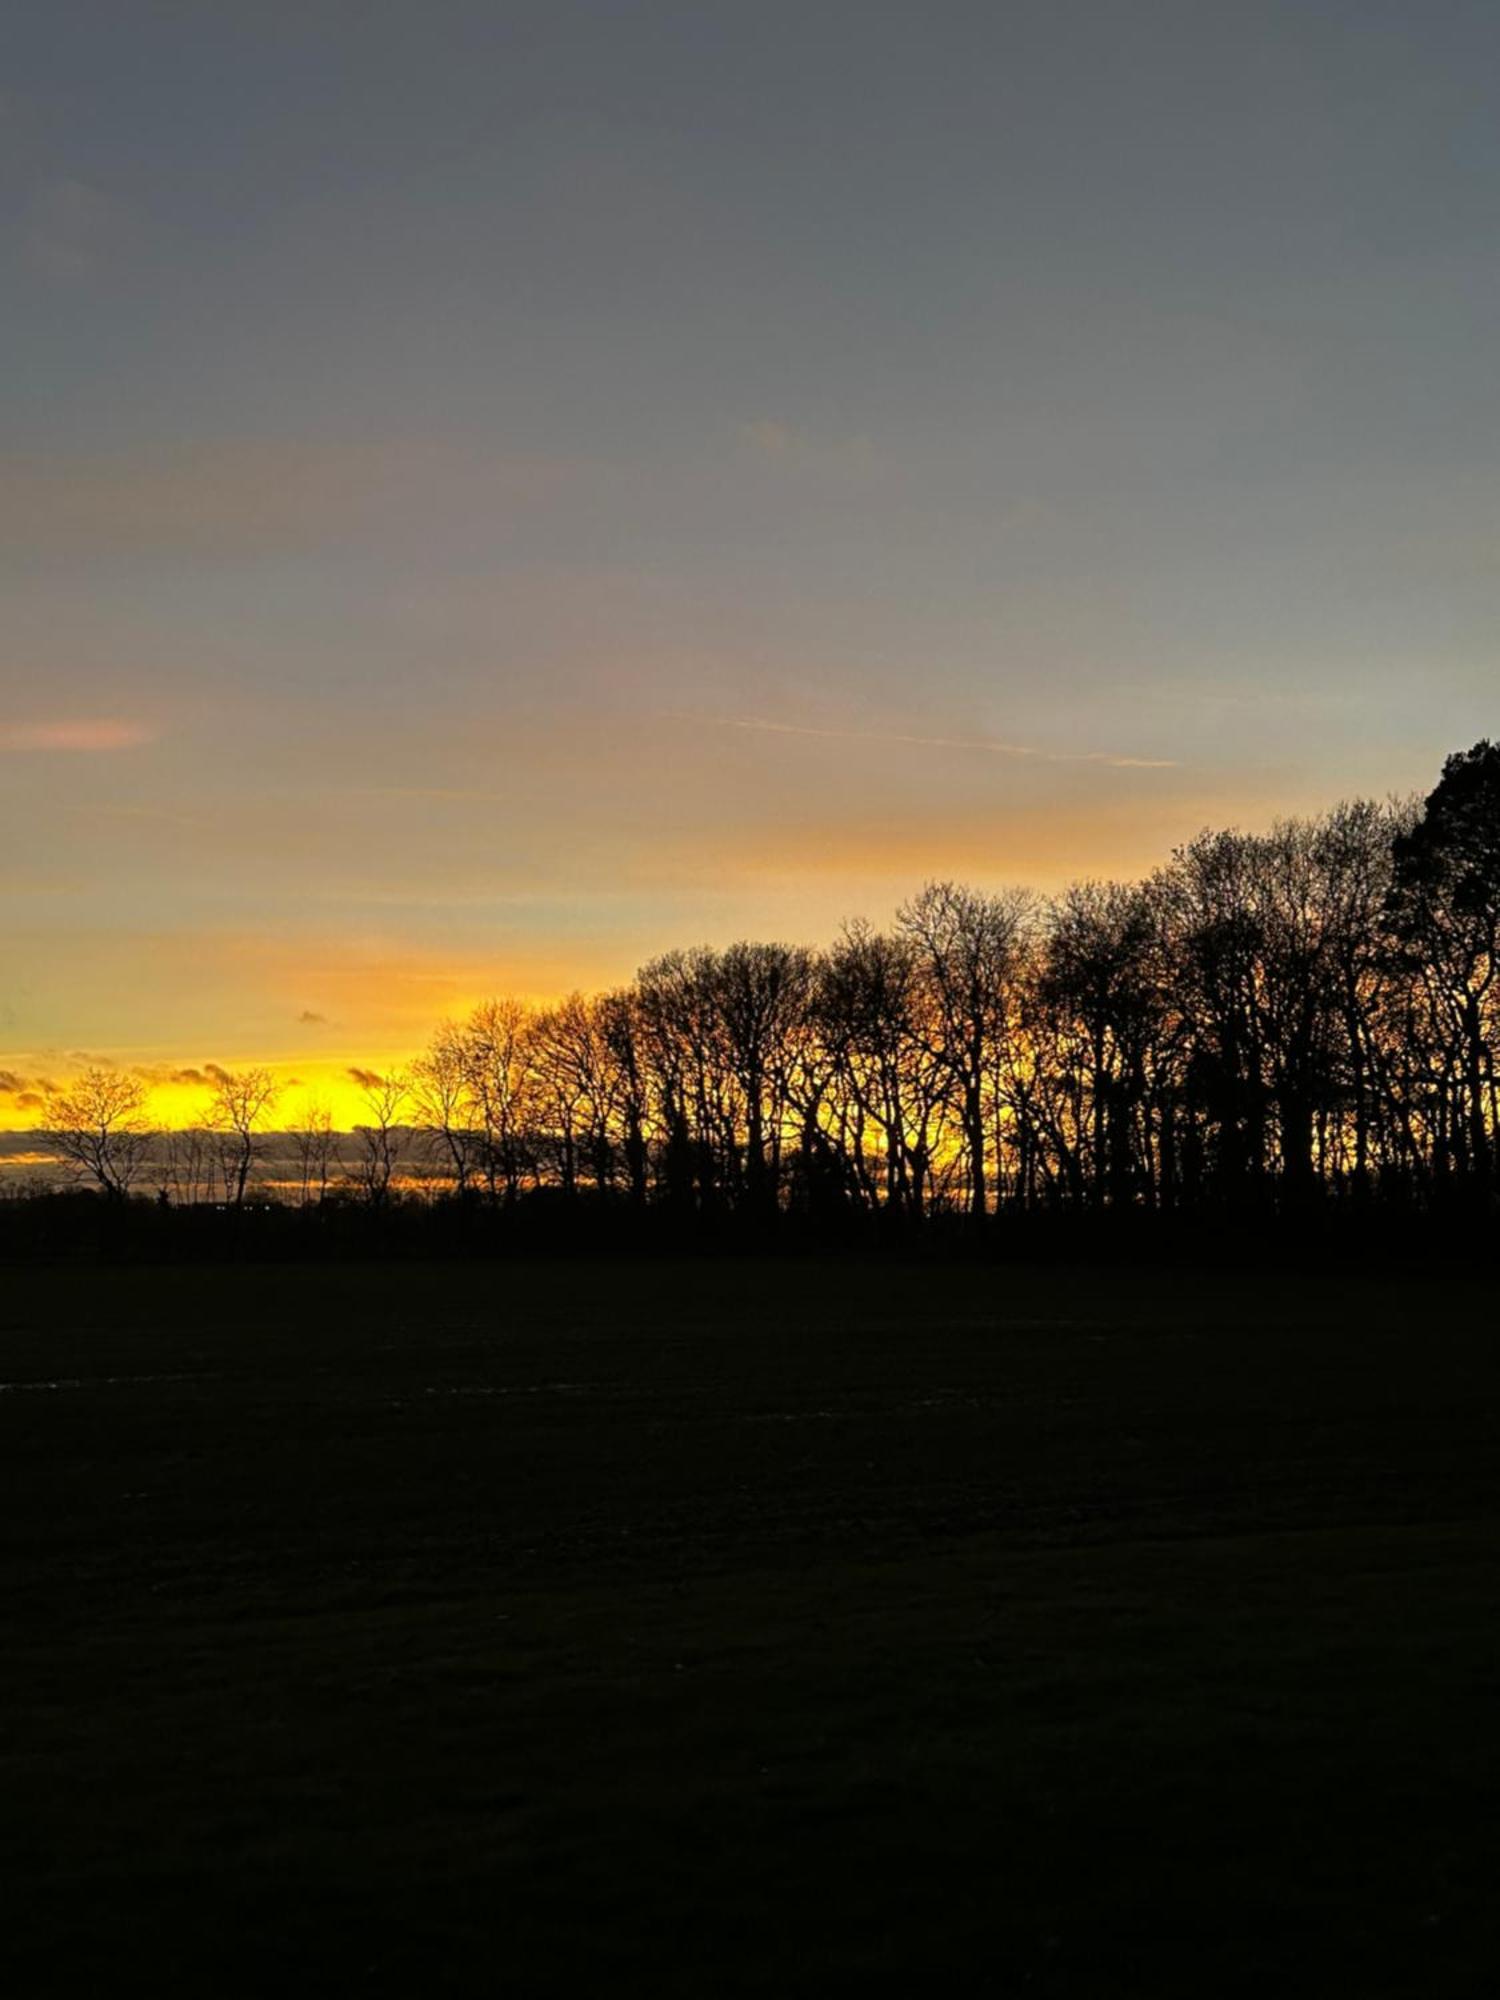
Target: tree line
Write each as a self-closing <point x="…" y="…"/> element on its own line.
<point x="1270" y="1020"/>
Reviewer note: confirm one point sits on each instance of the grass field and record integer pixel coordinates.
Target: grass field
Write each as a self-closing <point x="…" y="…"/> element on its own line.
<point x="726" y="1629"/>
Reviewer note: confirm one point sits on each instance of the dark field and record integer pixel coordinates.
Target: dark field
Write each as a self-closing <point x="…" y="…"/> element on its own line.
<point x="712" y="1628"/>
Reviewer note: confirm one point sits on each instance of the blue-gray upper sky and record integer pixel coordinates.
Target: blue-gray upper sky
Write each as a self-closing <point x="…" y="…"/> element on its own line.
<point x="487" y="491"/>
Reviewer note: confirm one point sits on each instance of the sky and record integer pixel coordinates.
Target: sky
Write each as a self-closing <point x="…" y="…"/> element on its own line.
<point x="489" y="492"/>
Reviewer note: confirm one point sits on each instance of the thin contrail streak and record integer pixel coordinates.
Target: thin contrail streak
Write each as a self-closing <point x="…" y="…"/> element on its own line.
<point x="993" y="745"/>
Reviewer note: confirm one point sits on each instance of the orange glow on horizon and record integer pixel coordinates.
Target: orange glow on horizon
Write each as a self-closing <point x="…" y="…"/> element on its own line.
<point x="314" y="1007"/>
<point x="181" y="1100"/>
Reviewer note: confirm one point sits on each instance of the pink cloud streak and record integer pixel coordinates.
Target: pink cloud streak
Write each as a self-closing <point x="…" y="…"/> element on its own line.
<point x="92" y="733"/>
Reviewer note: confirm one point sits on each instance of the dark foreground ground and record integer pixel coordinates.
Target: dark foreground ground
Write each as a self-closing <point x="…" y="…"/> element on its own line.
<point x="706" y="1629"/>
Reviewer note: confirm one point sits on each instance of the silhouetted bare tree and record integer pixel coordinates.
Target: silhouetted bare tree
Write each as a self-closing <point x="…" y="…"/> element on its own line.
<point x="495" y="1057"/>
<point x="1444" y="911"/>
<point x="380" y="1137"/>
<point x="97" y="1125"/>
<point x="444" y="1104"/>
<point x="187" y="1165"/>
<point x="316" y="1146"/>
<point x="237" y="1104"/>
<point x="971" y="953"/>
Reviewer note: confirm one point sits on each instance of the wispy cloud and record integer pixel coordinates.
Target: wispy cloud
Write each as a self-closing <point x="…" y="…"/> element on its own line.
<point x="87" y="733"/>
<point x="989" y="745"/>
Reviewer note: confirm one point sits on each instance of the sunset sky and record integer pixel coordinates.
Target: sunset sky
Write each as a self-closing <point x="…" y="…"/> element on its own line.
<point x="489" y="492"/>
